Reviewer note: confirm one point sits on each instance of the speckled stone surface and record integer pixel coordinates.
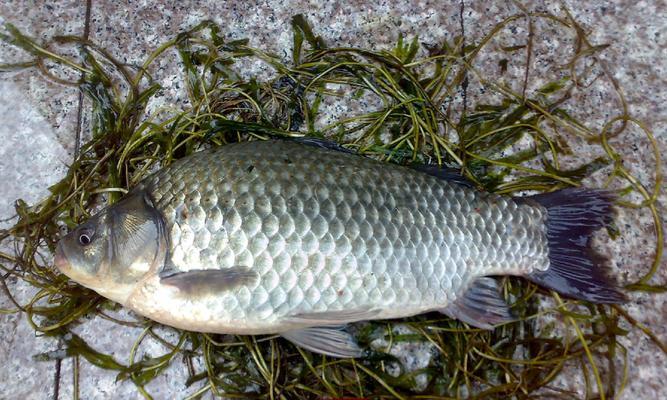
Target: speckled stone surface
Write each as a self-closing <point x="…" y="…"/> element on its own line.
<point x="39" y="119"/>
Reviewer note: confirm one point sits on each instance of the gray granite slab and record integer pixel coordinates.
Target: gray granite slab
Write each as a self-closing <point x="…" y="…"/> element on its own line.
<point x="37" y="136"/>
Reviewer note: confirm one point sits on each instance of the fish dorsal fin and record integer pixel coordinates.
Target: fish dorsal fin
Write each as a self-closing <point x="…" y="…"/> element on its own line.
<point x="321" y="143"/>
<point x="337" y="317"/>
<point x="209" y="280"/>
<point x="448" y="174"/>
<point x="481" y="306"/>
<point x="332" y="341"/>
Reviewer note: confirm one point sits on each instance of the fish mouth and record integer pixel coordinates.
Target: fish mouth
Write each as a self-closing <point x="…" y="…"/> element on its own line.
<point x="60" y="260"/>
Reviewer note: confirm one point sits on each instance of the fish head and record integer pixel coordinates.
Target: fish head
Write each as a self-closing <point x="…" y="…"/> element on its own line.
<point x="115" y="250"/>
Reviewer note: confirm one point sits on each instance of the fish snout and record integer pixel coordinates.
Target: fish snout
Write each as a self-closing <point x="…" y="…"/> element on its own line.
<point x="60" y="260"/>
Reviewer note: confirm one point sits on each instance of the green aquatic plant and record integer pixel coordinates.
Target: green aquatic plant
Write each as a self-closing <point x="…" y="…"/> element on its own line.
<point x="513" y="144"/>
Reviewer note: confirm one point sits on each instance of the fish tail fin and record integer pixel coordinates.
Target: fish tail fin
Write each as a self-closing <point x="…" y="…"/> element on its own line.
<point x="575" y="270"/>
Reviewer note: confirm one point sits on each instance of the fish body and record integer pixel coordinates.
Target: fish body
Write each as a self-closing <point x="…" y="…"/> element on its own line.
<point x="281" y="237"/>
<point x="327" y="231"/>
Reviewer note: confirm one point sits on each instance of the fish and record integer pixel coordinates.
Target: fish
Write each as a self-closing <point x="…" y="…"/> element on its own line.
<point x="302" y="237"/>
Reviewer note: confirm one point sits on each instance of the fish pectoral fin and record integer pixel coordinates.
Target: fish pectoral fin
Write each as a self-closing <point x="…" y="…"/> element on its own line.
<point x="328" y="340"/>
<point x="481" y="306"/>
<point x="209" y="280"/>
<point x="337" y="317"/>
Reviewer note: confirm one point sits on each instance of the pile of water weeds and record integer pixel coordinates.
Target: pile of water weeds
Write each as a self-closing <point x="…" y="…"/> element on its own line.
<point x="419" y="113"/>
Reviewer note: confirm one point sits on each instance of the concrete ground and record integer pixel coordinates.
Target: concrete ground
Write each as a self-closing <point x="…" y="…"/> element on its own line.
<point x="39" y="121"/>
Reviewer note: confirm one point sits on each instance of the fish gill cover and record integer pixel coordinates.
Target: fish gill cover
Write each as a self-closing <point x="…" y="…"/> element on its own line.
<point x="512" y="144"/>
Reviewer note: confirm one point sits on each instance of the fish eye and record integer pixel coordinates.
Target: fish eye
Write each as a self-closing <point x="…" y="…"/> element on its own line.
<point x="85" y="237"/>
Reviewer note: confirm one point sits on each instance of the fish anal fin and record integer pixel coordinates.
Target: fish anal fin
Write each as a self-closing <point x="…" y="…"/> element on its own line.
<point x="337" y="317"/>
<point x="328" y="340"/>
<point x="209" y="280"/>
<point x="481" y="305"/>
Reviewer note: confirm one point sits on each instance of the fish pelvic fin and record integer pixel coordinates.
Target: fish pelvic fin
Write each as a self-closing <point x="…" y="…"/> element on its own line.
<point x="481" y="305"/>
<point x="575" y="270"/>
<point x="324" y="332"/>
<point x="332" y="341"/>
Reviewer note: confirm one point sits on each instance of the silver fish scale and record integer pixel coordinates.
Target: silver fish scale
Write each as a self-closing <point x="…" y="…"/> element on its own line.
<point x="328" y="230"/>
